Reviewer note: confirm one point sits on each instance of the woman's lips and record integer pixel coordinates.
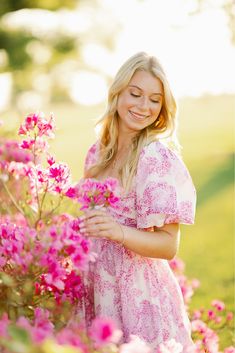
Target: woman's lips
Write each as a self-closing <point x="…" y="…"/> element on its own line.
<point x="138" y="116"/>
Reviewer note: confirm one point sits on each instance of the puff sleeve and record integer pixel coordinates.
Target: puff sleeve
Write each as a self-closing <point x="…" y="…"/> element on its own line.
<point x="165" y="192"/>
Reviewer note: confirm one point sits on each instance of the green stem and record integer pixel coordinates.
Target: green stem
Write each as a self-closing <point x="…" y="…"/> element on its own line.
<point x="12" y="199"/>
<point x="57" y="206"/>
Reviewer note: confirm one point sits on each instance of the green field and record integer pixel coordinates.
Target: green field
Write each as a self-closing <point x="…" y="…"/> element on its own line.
<point x="206" y="133"/>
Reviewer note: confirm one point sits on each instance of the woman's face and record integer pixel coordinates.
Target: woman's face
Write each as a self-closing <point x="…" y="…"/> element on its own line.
<point x="140" y="103"/>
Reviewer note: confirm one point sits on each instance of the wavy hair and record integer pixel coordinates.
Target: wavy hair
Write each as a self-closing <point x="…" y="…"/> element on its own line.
<point x="163" y="127"/>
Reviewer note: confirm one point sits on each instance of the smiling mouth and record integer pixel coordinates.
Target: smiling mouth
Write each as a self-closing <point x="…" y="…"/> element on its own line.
<point x="138" y="116"/>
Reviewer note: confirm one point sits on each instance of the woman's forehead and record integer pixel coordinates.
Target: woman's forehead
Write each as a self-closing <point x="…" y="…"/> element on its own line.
<point x="144" y="80"/>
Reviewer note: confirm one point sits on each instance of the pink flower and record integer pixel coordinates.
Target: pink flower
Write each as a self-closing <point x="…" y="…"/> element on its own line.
<point x="196" y="314"/>
<point x="177" y="265"/>
<point x="230" y="349"/>
<point x="50" y="160"/>
<point x="198" y="326"/>
<point x="211" y="314"/>
<point x="219" y="305"/>
<point x="229" y="316"/>
<point x="27" y="144"/>
<point x="46" y="127"/>
<point x="41" y="328"/>
<point x="72" y="192"/>
<point x="102" y="331"/>
<point x="71" y="336"/>
<point x="211" y="341"/>
<point x="95" y="193"/>
<point x="4" y="322"/>
<point x="218" y="319"/>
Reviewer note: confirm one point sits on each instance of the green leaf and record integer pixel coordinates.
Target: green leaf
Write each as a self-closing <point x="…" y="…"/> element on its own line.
<point x="19" y="334"/>
<point x="7" y="280"/>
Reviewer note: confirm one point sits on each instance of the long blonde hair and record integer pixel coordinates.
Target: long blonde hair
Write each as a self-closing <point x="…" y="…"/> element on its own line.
<point x="164" y="126"/>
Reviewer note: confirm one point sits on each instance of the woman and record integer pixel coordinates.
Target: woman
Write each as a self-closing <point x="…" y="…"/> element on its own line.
<point x="131" y="281"/>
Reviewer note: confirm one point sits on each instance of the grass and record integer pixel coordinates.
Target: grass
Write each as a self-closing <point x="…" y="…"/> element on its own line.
<point x="206" y="133"/>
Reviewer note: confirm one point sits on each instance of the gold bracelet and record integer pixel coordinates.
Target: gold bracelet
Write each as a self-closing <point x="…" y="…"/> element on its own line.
<point x="123" y="235"/>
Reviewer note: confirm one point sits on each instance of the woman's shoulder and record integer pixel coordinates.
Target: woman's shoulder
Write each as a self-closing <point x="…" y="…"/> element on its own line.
<point x="157" y="157"/>
<point x="158" y="149"/>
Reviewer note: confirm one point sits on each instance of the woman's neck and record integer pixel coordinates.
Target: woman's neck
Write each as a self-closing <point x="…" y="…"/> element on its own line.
<point x="125" y="140"/>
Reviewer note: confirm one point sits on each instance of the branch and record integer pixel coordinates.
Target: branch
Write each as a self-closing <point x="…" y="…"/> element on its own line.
<point x="12" y="198"/>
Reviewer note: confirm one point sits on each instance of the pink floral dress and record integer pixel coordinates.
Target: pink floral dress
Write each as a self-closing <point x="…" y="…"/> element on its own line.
<point x="141" y="294"/>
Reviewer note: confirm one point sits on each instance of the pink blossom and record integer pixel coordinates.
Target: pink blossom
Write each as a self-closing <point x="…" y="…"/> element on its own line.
<point x="218" y="319"/>
<point x="27" y="144"/>
<point x="211" y="341"/>
<point x="95" y="193"/>
<point x="28" y="124"/>
<point x="11" y="151"/>
<point x="199" y="326"/>
<point x="41" y="328"/>
<point x="4" y="322"/>
<point x="229" y="316"/>
<point x="196" y="314"/>
<point x="186" y="288"/>
<point x="195" y="283"/>
<point x="18" y="169"/>
<point x="72" y="192"/>
<point x="177" y="265"/>
<point x="136" y="345"/>
<point x="219" y="305"/>
<point x="102" y="331"/>
<point x="46" y="127"/>
<point x="211" y="314"/>
<point x="50" y="160"/>
<point x="71" y="336"/>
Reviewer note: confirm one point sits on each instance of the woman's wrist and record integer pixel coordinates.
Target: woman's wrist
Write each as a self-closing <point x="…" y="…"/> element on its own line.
<point x="121" y="240"/>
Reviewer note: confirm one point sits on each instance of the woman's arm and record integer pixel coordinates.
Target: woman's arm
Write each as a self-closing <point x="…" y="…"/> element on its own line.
<point x="162" y="243"/>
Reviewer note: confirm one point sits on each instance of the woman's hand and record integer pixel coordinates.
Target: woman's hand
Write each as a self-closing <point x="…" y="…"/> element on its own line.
<point x="98" y="223"/>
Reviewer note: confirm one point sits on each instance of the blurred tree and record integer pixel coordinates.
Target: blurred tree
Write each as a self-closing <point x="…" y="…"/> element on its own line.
<point x="228" y="6"/>
<point x="41" y="43"/>
<point x="13" y="5"/>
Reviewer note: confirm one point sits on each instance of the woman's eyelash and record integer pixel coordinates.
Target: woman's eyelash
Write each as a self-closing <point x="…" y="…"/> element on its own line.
<point x="135" y="95"/>
<point x="138" y="95"/>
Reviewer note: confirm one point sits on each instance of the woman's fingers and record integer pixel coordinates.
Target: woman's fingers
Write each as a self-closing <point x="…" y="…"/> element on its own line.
<point x="96" y="220"/>
<point x="96" y="224"/>
<point x="93" y="213"/>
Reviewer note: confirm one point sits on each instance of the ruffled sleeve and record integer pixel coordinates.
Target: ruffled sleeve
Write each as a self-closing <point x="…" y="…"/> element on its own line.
<point x="91" y="156"/>
<point x="165" y="192"/>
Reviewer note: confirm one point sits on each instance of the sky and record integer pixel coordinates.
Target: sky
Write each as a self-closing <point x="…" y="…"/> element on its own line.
<point x="195" y="50"/>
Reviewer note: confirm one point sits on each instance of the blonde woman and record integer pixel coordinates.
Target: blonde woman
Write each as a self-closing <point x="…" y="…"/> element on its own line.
<point x="131" y="281"/>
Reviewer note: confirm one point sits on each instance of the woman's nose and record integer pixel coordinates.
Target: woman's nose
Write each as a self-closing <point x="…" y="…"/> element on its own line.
<point x="144" y="103"/>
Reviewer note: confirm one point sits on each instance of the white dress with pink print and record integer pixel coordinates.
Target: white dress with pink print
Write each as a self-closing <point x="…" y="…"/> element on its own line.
<point x="141" y="294"/>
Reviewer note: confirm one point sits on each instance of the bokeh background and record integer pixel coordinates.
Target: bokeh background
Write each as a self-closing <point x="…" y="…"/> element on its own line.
<point x="61" y="55"/>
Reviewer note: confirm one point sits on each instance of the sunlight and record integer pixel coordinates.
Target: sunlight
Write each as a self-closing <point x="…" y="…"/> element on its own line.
<point x="5" y="89"/>
<point x="87" y="88"/>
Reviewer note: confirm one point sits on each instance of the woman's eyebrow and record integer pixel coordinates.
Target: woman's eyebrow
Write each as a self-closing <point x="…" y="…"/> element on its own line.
<point x="142" y="90"/>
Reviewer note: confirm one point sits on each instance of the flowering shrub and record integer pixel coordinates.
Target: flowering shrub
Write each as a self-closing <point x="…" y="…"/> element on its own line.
<point x="43" y="257"/>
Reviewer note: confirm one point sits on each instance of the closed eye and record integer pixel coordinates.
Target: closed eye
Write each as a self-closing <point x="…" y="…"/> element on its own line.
<point x="135" y="95"/>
